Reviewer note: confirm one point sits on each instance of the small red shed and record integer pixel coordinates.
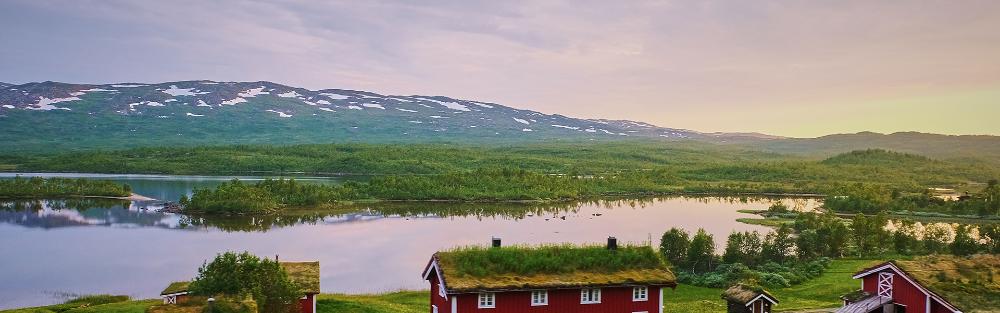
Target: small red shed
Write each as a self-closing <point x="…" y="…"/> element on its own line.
<point x="305" y="276"/>
<point x="511" y="279"/>
<point x="932" y="284"/>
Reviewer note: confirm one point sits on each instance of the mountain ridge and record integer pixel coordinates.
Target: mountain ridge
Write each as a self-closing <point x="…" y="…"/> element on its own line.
<point x="52" y="116"/>
<point x="190" y="112"/>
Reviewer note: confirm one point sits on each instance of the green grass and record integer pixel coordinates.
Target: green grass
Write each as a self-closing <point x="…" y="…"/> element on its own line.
<point x="822" y="292"/>
<point x="74" y="306"/>
<point x="394" y="302"/>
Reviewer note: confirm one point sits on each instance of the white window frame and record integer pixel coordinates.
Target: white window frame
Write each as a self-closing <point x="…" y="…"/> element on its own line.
<point x="640" y="294"/>
<point x="590" y="295"/>
<point x="539" y="297"/>
<point x="487" y="300"/>
<point x="885" y="284"/>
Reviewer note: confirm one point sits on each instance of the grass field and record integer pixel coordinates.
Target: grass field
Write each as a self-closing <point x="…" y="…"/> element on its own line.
<point x="822" y="292"/>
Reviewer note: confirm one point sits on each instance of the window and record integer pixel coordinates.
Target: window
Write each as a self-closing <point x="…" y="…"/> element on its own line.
<point x="590" y="295"/>
<point x="539" y="297"/>
<point x="487" y="300"/>
<point x="640" y="293"/>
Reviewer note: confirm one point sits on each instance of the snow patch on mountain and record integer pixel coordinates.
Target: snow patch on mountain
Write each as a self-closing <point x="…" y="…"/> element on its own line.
<point x="354" y="107"/>
<point x="174" y="91"/>
<point x="373" y="105"/>
<point x="290" y="94"/>
<point x="485" y="105"/>
<point x="451" y="105"/>
<point x="234" y="101"/>
<point x="405" y="110"/>
<point x="202" y="103"/>
<point x="46" y="104"/>
<point x="280" y="114"/>
<point x="195" y="115"/>
<point x="335" y="96"/>
<point x="566" y="127"/>
<point x="327" y="109"/>
<point x="522" y="121"/>
<point x="250" y="93"/>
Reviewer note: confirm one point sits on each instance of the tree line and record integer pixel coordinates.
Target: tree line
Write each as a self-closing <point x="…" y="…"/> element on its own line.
<point x="794" y="253"/>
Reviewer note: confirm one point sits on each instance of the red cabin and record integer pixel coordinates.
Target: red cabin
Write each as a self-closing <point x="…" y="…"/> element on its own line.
<point x="933" y="284"/>
<point x="305" y="275"/>
<point x="513" y="288"/>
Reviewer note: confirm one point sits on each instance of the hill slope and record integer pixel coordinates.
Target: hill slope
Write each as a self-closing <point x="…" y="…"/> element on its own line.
<point x="57" y="116"/>
<point x="931" y="145"/>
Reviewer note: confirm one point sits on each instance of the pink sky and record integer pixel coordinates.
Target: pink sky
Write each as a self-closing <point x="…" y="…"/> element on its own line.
<point x="794" y="68"/>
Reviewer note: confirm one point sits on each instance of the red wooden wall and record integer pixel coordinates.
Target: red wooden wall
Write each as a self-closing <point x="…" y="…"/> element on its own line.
<point x="443" y="304"/>
<point x="902" y="291"/>
<point x="306" y="305"/>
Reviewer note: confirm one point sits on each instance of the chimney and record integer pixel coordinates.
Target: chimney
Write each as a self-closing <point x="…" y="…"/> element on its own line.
<point x="496" y="242"/>
<point x="612" y="243"/>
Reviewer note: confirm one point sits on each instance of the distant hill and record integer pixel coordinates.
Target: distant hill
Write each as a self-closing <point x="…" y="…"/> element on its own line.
<point x="59" y="116"/>
<point x="931" y="145"/>
<point x="877" y="157"/>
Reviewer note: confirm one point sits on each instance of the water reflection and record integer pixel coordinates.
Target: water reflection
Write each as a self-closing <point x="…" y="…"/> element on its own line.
<point x="120" y="248"/>
<point x="48" y="214"/>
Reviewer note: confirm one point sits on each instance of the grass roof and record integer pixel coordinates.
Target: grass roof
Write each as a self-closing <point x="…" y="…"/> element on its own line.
<point x="175" y="287"/>
<point x="970" y="283"/>
<point x="552" y="266"/>
<point x="304" y="275"/>
<point x="742" y="293"/>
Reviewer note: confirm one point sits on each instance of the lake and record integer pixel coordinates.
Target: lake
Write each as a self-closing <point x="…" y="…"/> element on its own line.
<point x="54" y="249"/>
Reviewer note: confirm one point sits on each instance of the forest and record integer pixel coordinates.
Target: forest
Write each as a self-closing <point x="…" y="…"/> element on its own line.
<point x="55" y="188"/>
<point x="793" y="254"/>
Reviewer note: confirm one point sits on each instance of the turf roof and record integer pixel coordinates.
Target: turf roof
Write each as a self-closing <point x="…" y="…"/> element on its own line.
<point x="175" y="287"/>
<point x="970" y="283"/>
<point x="554" y="266"/>
<point x="743" y="294"/>
<point x="304" y="275"/>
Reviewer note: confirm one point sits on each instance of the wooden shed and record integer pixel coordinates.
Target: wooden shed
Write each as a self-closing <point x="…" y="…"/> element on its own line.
<point x="745" y="299"/>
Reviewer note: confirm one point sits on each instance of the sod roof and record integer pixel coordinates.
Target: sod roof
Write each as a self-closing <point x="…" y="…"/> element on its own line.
<point x="175" y="287"/>
<point x="305" y="276"/>
<point x="970" y="283"/>
<point x="743" y="294"/>
<point x="470" y="269"/>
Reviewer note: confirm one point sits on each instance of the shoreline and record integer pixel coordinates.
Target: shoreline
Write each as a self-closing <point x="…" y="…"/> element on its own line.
<point x="131" y="197"/>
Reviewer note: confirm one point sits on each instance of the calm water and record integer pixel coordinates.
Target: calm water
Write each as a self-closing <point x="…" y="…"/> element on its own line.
<point x="54" y="248"/>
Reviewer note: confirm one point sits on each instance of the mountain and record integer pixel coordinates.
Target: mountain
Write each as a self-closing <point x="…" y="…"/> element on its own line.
<point x="57" y="116"/>
<point x="931" y="145"/>
<point x="53" y="116"/>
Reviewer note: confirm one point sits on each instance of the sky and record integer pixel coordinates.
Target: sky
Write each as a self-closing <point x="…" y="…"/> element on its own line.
<point x="791" y="68"/>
